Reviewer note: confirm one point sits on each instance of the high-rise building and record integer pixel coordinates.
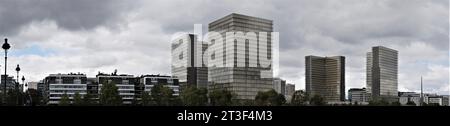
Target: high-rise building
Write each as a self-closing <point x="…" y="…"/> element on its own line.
<point x="325" y="76"/>
<point x="279" y="86"/>
<point x="60" y="84"/>
<point x="239" y="54"/>
<point x="290" y="89"/>
<point x="187" y="61"/>
<point x="382" y="73"/>
<point x="358" y="95"/>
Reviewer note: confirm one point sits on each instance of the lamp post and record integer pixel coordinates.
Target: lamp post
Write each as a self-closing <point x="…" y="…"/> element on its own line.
<point x="17" y="83"/>
<point x="5" y="46"/>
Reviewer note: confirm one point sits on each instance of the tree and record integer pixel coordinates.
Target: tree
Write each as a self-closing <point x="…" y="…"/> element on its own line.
<point x="221" y="98"/>
<point x="88" y="100"/>
<point x="146" y="99"/>
<point x="300" y="98"/>
<point x="317" y="100"/>
<point x="269" y="98"/>
<point x="77" y="99"/>
<point x="411" y="103"/>
<point x="110" y="95"/>
<point x="192" y="96"/>
<point x="396" y="103"/>
<point x="162" y="95"/>
<point x="379" y="102"/>
<point x="65" y="101"/>
<point x="34" y="96"/>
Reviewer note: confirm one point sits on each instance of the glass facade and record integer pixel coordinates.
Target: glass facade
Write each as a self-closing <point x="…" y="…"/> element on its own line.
<point x="325" y="76"/>
<point x="187" y="61"/>
<point x="239" y="55"/>
<point x="382" y="66"/>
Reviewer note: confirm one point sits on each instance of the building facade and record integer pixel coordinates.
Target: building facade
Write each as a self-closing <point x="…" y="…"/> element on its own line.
<point x="149" y="81"/>
<point x="358" y="95"/>
<point x="290" y="90"/>
<point x="125" y="84"/>
<point x="60" y="84"/>
<point x="325" y="76"/>
<point x="279" y="86"/>
<point x="382" y="72"/>
<point x="10" y="83"/>
<point x="405" y="97"/>
<point x="188" y="61"/>
<point x="238" y="55"/>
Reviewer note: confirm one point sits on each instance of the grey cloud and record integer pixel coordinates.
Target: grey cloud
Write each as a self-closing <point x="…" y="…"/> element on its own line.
<point x="68" y="14"/>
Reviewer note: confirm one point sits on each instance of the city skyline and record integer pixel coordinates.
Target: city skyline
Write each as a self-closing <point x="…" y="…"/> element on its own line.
<point x="137" y="40"/>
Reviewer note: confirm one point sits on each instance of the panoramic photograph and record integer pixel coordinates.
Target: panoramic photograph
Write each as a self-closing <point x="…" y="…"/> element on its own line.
<point x="276" y="56"/>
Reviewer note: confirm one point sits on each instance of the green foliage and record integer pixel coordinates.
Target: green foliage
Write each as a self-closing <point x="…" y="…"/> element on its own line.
<point x="269" y="98"/>
<point x="88" y="100"/>
<point x="77" y="99"/>
<point x="299" y="98"/>
<point x="192" y="96"/>
<point x="317" y="100"/>
<point x="162" y="95"/>
<point x="146" y="99"/>
<point x="65" y="101"/>
<point x="110" y="95"/>
<point x="221" y="98"/>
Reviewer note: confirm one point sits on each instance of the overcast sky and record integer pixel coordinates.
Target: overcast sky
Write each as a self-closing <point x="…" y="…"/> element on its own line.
<point x="61" y="36"/>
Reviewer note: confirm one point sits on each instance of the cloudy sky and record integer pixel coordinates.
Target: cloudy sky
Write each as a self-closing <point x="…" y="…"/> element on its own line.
<point x="61" y="36"/>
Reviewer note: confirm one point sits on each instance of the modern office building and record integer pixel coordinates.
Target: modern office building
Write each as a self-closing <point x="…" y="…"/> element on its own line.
<point x="382" y="73"/>
<point x="325" y="76"/>
<point x="125" y="84"/>
<point x="42" y="89"/>
<point x="149" y="81"/>
<point x="32" y="85"/>
<point x="279" y="86"/>
<point x="358" y="95"/>
<point x="188" y="62"/>
<point x="237" y="59"/>
<point x="290" y="90"/>
<point x="405" y="97"/>
<point x="436" y="100"/>
<point x="92" y="88"/>
<point x="10" y="83"/>
<point x="60" y="84"/>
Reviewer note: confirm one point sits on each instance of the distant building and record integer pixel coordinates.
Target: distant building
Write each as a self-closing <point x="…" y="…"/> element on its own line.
<point x="445" y="100"/>
<point x="290" y="89"/>
<point x="32" y="85"/>
<point x="125" y="84"/>
<point x="149" y="81"/>
<point x="10" y="83"/>
<point x="279" y="86"/>
<point x="42" y="89"/>
<point x="405" y="97"/>
<point x="59" y="84"/>
<point x="382" y="73"/>
<point x="188" y="64"/>
<point x="325" y="76"/>
<point x="358" y="95"/>
<point x="437" y="100"/>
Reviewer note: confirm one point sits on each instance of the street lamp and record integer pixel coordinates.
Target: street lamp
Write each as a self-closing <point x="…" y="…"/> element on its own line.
<point x="23" y="81"/>
<point x="17" y="84"/>
<point x="5" y="46"/>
